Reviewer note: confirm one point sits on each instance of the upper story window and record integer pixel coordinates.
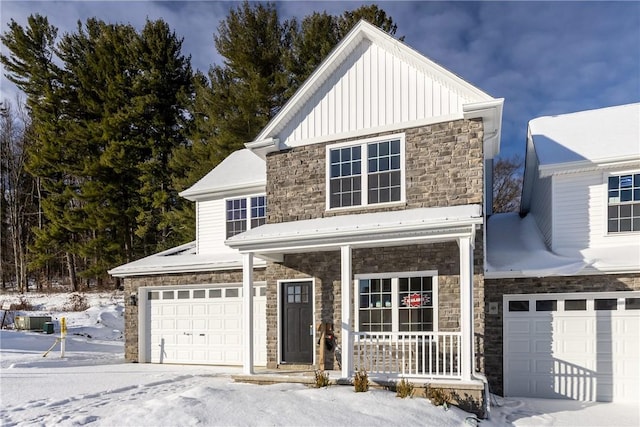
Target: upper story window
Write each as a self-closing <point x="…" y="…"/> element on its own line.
<point x="623" y="203"/>
<point x="238" y="220"/>
<point x="366" y="173"/>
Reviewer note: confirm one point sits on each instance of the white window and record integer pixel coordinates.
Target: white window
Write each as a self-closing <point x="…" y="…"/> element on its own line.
<point x="238" y="221"/>
<point x="369" y="172"/>
<point x="623" y="210"/>
<point x="397" y="302"/>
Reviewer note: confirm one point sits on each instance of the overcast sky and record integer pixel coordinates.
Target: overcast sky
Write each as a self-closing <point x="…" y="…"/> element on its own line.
<point x="544" y="58"/>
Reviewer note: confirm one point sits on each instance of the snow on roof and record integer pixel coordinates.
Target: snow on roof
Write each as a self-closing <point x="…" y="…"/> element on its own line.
<point x="515" y="248"/>
<point x="181" y="259"/>
<point x="594" y="136"/>
<point x="331" y="231"/>
<point x="241" y="171"/>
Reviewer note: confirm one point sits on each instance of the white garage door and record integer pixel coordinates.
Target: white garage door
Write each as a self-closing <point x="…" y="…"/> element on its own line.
<point x="577" y="346"/>
<point x="201" y="325"/>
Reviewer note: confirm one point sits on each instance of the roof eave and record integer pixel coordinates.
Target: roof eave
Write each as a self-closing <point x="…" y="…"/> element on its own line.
<point x="369" y="237"/>
<point x="490" y="111"/>
<point x="221" y="192"/>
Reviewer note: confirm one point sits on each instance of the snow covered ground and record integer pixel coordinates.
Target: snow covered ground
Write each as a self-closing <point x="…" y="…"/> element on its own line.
<point x="93" y="385"/>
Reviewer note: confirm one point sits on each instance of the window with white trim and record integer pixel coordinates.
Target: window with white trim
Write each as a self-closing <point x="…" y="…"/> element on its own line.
<point x="623" y="207"/>
<point x="367" y="173"/>
<point x="238" y="221"/>
<point x="398" y="302"/>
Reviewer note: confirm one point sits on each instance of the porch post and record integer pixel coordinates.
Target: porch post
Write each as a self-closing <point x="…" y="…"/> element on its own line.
<point x="247" y="312"/>
<point x="466" y="306"/>
<point x="347" y="339"/>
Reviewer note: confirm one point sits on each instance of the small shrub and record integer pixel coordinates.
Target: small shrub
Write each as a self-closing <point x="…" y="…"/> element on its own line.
<point x="76" y="302"/>
<point x="404" y="388"/>
<point x="438" y="396"/>
<point x="361" y="381"/>
<point x="23" y="304"/>
<point x="322" y="379"/>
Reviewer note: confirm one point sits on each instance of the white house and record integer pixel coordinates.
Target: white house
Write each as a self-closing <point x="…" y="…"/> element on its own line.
<point x="564" y="273"/>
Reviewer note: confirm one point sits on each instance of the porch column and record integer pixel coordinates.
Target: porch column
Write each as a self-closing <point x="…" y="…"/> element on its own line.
<point x="247" y="312"/>
<point x="466" y="306"/>
<point x="347" y="339"/>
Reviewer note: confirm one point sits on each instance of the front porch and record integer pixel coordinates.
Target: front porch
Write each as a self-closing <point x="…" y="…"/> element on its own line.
<point x="416" y="351"/>
<point x="416" y="355"/>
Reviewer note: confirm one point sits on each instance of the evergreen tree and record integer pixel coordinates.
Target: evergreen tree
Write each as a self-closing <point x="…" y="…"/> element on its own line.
<point x="265" y="62"/>
<point x="32" y="68"/>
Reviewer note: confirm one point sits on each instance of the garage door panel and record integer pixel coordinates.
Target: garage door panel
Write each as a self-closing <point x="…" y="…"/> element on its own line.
<point x="519" y="326"/>
<point x="199" y="309"/>
<point x="543" y="326"/>
<point x="201" y="326"/>
<point x="584" y="354"/>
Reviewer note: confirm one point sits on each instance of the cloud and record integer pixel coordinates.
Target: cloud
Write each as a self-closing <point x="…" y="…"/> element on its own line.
<point x="542" y="57"/>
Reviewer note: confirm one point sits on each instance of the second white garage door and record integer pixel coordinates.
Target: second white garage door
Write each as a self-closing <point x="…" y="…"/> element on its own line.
<point x="577" y="346"/>
<point x="196" y="325"/>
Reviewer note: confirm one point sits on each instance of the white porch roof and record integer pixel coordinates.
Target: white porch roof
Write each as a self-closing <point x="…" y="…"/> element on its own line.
<point x="181" y="259"/>
<point x="392" y="228"/>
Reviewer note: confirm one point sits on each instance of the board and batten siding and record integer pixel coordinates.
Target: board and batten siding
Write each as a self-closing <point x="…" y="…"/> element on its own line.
<point x="372" y="88"/>
<point x="211" y="227"/>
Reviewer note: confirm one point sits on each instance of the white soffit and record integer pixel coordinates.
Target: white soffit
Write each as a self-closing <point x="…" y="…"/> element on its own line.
<point x="370" y="82"/>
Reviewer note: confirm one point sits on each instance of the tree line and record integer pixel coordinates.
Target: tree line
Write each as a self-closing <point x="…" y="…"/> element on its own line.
<point x="115" y="123"/>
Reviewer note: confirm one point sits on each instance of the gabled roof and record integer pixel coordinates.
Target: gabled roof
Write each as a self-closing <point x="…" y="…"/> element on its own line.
<point x="593" y="137"/>
<point x="242" y="172"/>
<point x="316" y="103"/>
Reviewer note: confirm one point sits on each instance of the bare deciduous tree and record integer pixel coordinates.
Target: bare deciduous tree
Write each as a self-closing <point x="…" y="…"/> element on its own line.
<point x="18" y="193"/>
<point x="507" y="184"/>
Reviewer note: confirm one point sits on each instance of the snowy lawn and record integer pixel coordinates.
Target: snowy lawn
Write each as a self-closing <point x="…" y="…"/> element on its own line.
<point x="92" y="385"/>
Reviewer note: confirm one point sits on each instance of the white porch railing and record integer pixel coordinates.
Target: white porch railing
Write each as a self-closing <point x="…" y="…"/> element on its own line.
<point x="434" y="355"/>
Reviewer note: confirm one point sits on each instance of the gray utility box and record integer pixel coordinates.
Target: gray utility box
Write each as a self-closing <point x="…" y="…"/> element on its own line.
<point x="31" y="323"/>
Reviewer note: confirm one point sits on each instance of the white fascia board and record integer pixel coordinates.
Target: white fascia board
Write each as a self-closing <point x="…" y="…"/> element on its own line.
<point x="491" y="114"/>
<point x="364" y="30"/>
<point x="316" y="78"/>
<point x="264" y="146"/>
<point x="229" y="191"/>
<point x="176" y="269"/>
<point x="586" y="166"/>
<point x="369" y="237"/>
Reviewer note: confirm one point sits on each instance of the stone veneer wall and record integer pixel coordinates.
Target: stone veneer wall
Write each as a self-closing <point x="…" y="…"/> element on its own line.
<point x="324" y="268"/>
<point x="131" y="285"/>
<point x="443" y="167"/>
<point x="443" y="161"/>
<point x="494" y="289"/>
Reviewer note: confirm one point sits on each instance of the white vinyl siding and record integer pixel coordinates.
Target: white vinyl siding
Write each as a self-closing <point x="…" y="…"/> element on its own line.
<point x="576" y="204"/>
<point x="541" y="199"/>
<point x="373" y="88"/>
<point x="580" y="212"/>
<point x="211" y="227"/>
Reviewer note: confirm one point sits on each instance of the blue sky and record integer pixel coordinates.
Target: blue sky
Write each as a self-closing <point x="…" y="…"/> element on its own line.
<point x="544" y="58"/>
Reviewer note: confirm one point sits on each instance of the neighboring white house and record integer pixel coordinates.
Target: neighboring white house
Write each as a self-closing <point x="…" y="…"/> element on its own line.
<point x="568" y="265"/>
